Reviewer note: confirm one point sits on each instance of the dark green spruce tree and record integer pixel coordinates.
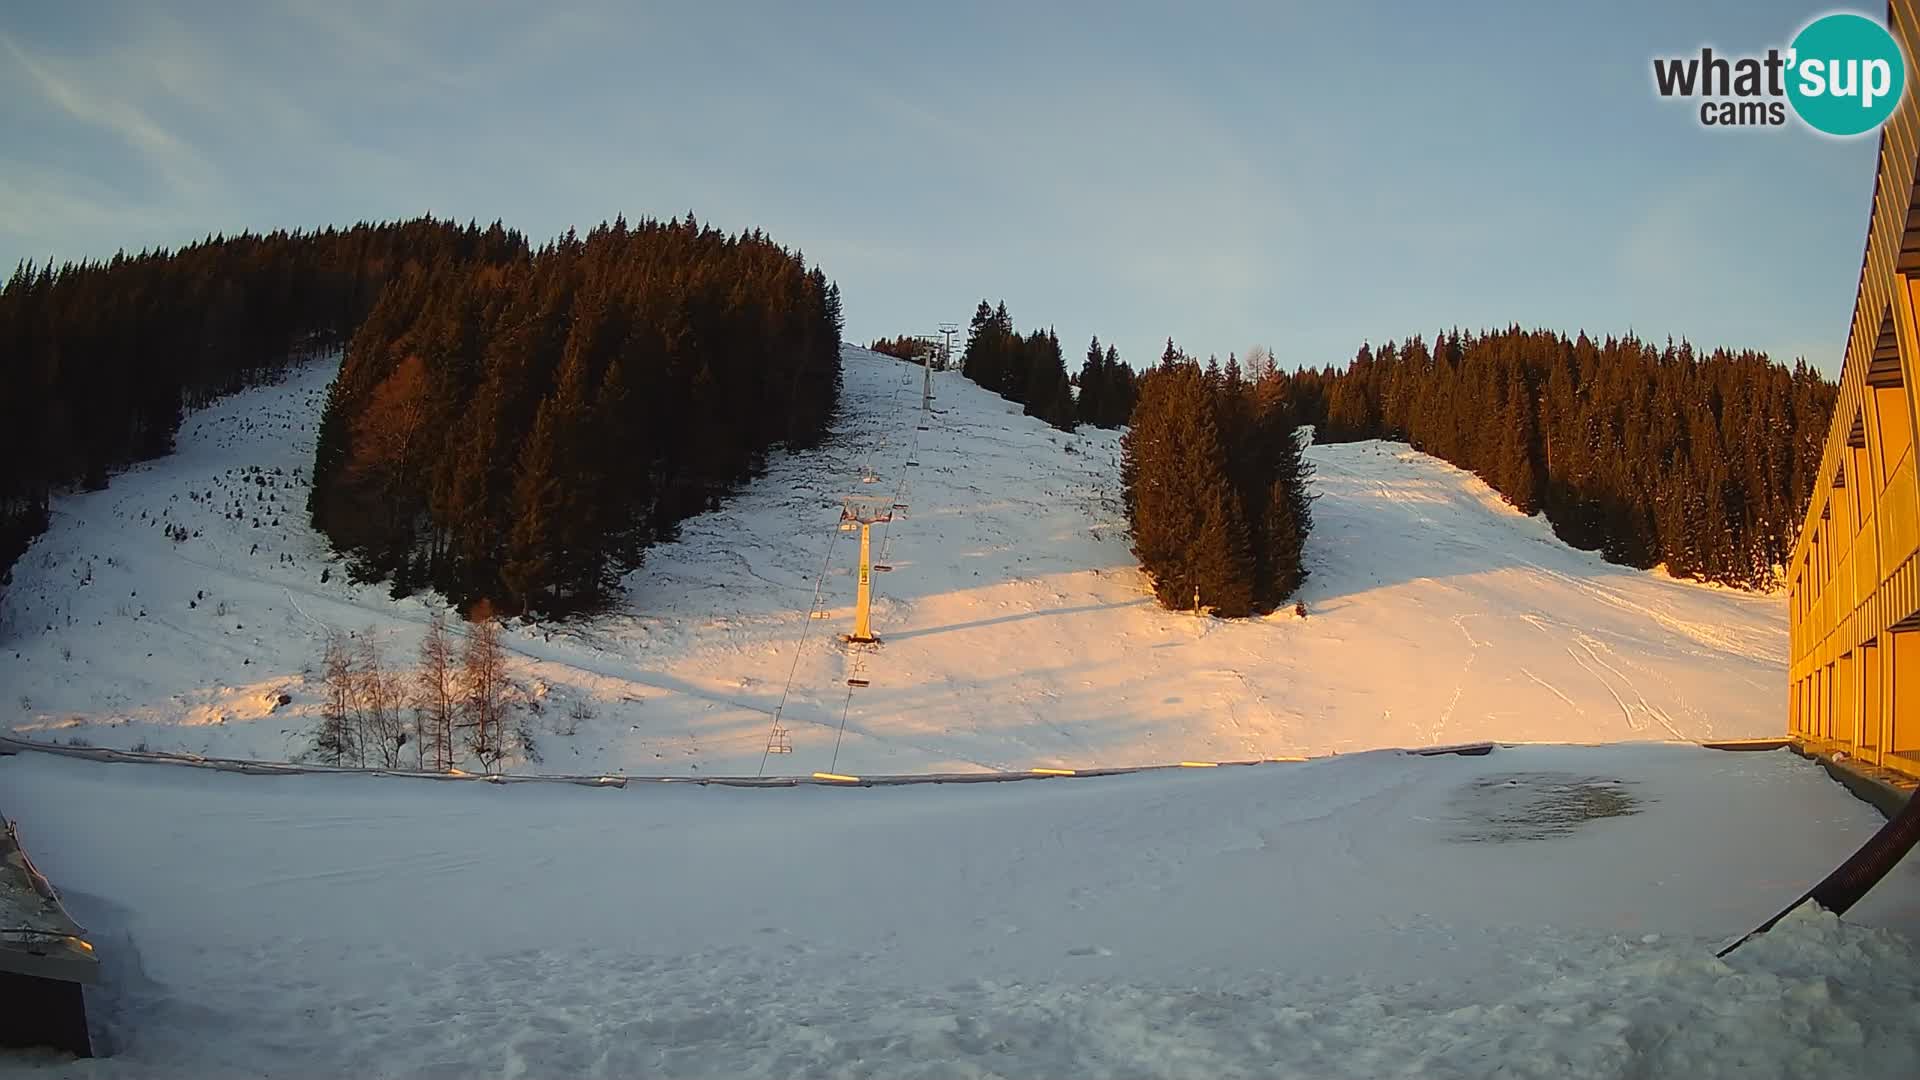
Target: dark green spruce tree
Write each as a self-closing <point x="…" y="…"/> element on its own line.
<point x="1093" y="388"/>
<point x="1118" y="392"/>
<point x="1187" y="525"/>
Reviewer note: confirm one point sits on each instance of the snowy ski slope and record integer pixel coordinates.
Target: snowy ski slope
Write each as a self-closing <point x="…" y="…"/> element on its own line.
<point x="1018" y="630"/>
<point x="1541" y="911"/>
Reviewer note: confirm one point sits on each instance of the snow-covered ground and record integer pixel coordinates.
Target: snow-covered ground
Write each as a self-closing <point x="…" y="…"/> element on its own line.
<point x="1541" y="911"/>
<point x="1018" y="630"/>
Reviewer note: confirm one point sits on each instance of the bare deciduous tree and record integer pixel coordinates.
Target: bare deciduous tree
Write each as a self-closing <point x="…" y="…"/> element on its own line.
<point x="335" y="742"/>
<point x="483" y="693"/>
<point x="380" y="696"/>
<point x="1259" y="363"/>
<point x="436" y="695"/>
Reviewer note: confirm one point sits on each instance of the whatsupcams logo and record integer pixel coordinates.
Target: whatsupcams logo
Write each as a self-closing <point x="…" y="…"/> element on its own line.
<point x="1842" y="75"/>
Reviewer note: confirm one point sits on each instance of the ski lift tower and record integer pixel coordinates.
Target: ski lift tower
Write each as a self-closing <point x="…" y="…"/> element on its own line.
<point x="863" y="513"/>
<point x="947" y="330"/>
<point x="927" y="347"/>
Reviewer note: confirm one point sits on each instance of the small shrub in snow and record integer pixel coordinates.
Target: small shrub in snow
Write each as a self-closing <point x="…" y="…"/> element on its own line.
<point x="569" y="723"/>
<point x="523" y="735"/>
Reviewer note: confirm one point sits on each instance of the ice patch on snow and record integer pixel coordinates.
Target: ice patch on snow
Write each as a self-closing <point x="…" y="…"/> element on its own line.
<point x="1536" y="805"/>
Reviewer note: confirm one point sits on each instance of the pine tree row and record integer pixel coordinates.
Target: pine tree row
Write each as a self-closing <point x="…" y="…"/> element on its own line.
<point x="1215" y="487"/>
<point x="911" y="349"/>
<point x="1028" y="368"/>
<point x="520" y="432"/>
<point x="1106" y="388"/>
<point x="1703" y="462"/>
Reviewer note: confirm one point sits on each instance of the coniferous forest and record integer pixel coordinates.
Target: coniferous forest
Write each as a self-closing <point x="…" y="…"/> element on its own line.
<point x="1701" y="461"/>
<point x="1215" y="487"/>
<point x="518" y="425"/>
<point x="98" y="360"/>
<point x="522" y="432"/>
<point x="508" y="424"/>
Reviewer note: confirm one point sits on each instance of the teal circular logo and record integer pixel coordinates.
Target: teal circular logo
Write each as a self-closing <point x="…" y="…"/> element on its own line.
<point x="1845" y="74"/>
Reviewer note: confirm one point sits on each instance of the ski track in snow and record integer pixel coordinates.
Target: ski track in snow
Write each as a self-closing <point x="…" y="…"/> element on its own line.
<point x="1553" y="689"/>
<point x="1018" y="631"/>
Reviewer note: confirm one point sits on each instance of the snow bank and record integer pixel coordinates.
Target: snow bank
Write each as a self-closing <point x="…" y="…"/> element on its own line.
<point x="1327" y="918"/>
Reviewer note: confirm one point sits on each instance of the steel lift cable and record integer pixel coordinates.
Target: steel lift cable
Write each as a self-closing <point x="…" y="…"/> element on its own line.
<point x="799" y="647"/>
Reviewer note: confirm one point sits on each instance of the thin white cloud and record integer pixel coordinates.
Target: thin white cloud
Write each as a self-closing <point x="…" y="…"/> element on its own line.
<point x="182" y="167"/>
<point x="41" y="207"/>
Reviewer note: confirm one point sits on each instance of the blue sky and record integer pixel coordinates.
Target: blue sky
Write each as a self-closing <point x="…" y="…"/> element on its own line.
<point x="1304" y="176"/>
